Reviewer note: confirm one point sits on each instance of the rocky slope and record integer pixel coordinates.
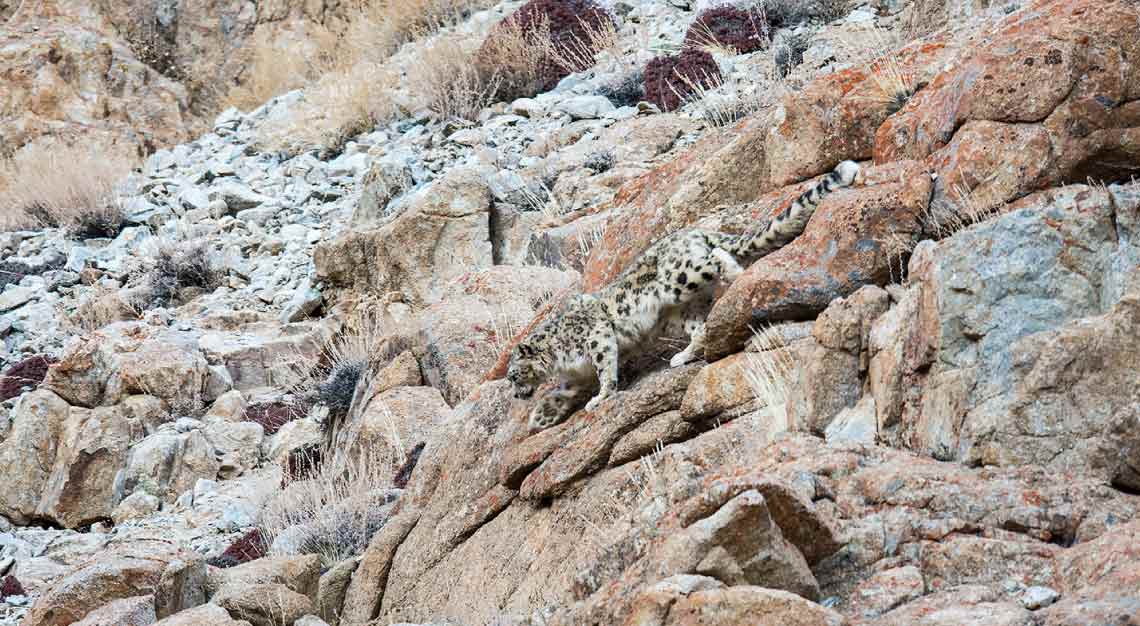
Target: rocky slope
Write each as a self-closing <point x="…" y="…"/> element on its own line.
<point x="134" y="74"/>
<point x="938" y="424"/>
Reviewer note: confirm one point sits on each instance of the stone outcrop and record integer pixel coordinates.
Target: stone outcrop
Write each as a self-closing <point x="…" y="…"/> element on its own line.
<point x="1021" y="339"/>
<point x="444" y="233"/>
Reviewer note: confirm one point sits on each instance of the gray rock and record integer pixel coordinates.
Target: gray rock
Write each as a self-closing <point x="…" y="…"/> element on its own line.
<point x="193" y="198"/>
<point x="15" y="297"/>
<point x="238" y="196"/>
<point x="305" y="301"/>
<point x="77" y="259"/>
<point x="586" y="107"/>
<point x="1034" y="598"/>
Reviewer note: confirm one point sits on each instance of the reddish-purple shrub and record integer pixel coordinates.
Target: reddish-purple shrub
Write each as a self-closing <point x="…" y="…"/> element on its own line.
<point x="570" y="23"/>
<point x="669" y="80"/>
<point x="302" y="464"/>
<point x="27" y="373"/>
<point x="9" y="586"/>
<point x="272" y="415"/>
<point x="743" y="30"/>
<point x="250" y="547"/>
<point x="405" y="472"/>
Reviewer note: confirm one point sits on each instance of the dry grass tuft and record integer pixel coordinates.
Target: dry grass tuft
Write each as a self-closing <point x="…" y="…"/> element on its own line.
<point x="966" y="204"/>
<point x="892" y="84"/>
<point x="445" y="78"/>
<point x="275" y="69"/>
<point x="333" y="514"/>
<point x="66" y="186"/>
<point x="769" y="371"/>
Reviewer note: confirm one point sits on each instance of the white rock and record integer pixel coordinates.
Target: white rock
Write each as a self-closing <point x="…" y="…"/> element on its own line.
<point x="586" y="107"/>
<point x="15" y="297"/>
<point x="1034" y="598"/>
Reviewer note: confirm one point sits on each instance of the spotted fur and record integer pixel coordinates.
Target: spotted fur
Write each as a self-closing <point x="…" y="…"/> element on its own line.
<point x="669" y="288"/>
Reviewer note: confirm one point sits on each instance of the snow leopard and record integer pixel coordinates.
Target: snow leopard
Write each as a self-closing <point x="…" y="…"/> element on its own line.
<point x="668" y="289"/>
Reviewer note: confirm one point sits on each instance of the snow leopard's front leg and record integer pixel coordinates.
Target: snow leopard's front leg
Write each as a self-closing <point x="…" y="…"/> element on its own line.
<point x="602" y="346"/>
<point x="695" y="328"/>
<point x="556" y="406"/>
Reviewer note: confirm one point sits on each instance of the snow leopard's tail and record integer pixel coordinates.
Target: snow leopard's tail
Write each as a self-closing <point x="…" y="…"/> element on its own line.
<point x="788" y="225"/>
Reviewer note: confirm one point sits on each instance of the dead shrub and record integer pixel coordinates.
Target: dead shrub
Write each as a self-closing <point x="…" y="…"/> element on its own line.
<point x="445" y="78"/>
<point x="65" y="186"/>
<point x="9" y="587"/>
<point x="176" y="267"/>
<point x="541" y="43"/>
<point x="275" y="69"/>
<point x="739" y="30"/>
<point x="273" y="415"/>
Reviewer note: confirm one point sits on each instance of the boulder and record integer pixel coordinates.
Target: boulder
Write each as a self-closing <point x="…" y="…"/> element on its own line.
<point x="300" y="574"/>
<point x="464" y="335"/>
<point x="262" y="354"/>
<point x="263" y="604"/>
<point x="132" y="358"/>
<point x="167" y="464"/>
<point x="126" y="569"/>
<point x="383" y="427"/>
<point x="332" y="589"/>
<point x="136" y="611"/>
<point x="205" y="615"/>
<point x="63" y="460"/>
<point x="184" y="584"/>
<point x="59" y="83"/>
<point x="1022" y="349"/>
<point x="856" y="237"/>
<point x="443" y="233"/>
<point x="965" y="606"/>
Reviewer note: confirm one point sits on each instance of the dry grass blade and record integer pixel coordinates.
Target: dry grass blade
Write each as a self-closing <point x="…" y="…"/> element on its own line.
<point x="445" y="78"/>
<point x="965" y="205"/>
<point x="716" y="103"/>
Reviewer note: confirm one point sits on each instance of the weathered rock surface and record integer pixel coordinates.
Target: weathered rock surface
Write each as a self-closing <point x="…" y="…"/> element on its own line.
<point x="124" y="570"/>
<point x="1024" y="339"/>
<point x="61" y="460"/>
<point x="443" y="234"/>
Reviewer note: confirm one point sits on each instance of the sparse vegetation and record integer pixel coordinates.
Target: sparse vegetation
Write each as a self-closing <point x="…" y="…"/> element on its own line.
<point x="671" y="80"/>
<point x="275" y="69"/>
<point x="600" y="161"/>
<point x="563" y="35"/>
<point x="335" y="512"/>
<point x="63" y="186"/>
<point x="892" y="84"/>
<point x="769" y="371"/>
<point x="626" y="92"/>
<point x="790" y="53"/>
<point x="175" y="267"/>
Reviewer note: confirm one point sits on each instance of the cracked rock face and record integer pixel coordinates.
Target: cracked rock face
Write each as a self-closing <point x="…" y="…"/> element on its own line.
<point x="938" y="428"/>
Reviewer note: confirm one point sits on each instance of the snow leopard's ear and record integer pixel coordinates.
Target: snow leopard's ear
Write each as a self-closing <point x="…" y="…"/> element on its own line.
<point x="524" y="350"/>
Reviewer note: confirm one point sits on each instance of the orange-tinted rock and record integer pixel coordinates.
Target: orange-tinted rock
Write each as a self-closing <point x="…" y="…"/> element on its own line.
<point x="856" y="237"/>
